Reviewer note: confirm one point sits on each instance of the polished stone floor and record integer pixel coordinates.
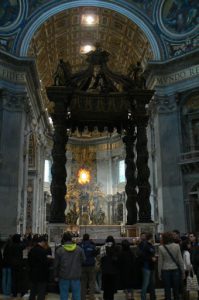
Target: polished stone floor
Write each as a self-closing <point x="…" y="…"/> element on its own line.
<point x="119" y="296"/>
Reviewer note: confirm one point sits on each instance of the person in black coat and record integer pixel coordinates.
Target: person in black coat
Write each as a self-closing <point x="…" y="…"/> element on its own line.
<point x="127" y="269"/>
<point x="16" y="261"/>
<point x="109" y="254"/>
<point x="6" y="272"/>
<point x="38" y="264"/>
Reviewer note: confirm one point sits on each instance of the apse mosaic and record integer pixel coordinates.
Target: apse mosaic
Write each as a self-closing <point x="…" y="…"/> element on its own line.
<point x="180" y="16"/>
<point x="9" y="11"/>
<point x="176" y="49"/>
<point x="34" y="4"/>
<point x="6" y="43"/>
<point x="146" y="5"/>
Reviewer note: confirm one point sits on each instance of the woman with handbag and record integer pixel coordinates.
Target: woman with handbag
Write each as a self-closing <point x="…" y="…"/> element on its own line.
<point x="170" y="266"/>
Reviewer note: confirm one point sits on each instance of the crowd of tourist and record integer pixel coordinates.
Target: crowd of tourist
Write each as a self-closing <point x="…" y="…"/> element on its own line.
<point x="83" y="268"/>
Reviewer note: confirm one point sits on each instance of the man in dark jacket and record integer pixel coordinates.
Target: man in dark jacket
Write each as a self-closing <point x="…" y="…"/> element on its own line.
<point x="88" y="269"/>
<point x="68" y="267"/>
<point x="148" y="257"/>
<point x="38" y="263"/>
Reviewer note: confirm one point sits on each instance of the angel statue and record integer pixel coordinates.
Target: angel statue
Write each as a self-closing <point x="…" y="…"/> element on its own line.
<point x="63" y="73"/>
<point x="136" y="72"/>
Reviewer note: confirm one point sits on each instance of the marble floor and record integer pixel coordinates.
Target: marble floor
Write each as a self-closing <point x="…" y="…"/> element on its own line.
<point x="119" y="296"/>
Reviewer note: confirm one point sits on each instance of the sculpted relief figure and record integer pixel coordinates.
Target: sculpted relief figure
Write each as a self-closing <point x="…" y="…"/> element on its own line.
<point x="62" y="74"/>
<point x="136" y="72"/>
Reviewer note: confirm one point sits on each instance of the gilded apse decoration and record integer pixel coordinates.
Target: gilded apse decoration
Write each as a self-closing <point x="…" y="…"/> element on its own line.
<point x="84" y="203"/>
<point x="83" y="155"/>
<point x="84" y="176"/>
<point x="180" y="17"/>
<point x="84" y="196"/>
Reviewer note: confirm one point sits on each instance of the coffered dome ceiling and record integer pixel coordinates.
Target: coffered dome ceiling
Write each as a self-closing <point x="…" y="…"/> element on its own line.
<point x="64" y="35"/>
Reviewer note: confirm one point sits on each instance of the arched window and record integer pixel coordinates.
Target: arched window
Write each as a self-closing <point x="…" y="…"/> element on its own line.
<point x="190" y="124"/>
<point x="194" y="206"/>
<point x="122" y="171"/>
<point x="47" y="173"/>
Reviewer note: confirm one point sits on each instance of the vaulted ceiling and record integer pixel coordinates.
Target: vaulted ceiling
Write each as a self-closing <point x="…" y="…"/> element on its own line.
<point x="62" y="36"/>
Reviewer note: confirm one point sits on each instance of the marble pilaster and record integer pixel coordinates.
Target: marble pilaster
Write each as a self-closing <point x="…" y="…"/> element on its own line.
<point x="21" y="114"/>
<point x="168" y="174"/>
<point x="12" y="106"/>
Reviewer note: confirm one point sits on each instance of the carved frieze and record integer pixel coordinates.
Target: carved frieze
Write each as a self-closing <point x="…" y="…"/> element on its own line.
<point x="162" y="105"/>
<point x="13" y="102"/>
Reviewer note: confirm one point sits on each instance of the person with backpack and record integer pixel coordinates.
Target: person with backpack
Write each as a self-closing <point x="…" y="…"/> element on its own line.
<point x="88" y="269"/>
<point x="69" y="258"/>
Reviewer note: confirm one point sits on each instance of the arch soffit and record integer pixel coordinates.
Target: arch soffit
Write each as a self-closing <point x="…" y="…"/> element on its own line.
<point x="32" y="26"/>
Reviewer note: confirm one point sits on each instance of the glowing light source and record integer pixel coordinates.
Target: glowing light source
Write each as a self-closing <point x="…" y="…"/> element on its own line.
<point x="89" y="19"/>
<point x="84" y="176"/>
<point x="50" y="120"/>
<point x="86" y="48"/>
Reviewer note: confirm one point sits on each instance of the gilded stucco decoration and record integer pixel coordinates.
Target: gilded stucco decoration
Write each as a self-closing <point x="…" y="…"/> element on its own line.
<point x="84" y="200"/>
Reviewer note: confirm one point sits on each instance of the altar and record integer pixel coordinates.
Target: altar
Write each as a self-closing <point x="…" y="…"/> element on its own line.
<point x="99" y="233"/>
<point x="96" y="232"/>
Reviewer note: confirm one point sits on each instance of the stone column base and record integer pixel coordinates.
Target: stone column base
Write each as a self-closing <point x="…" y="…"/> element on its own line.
<point x="56" y="230"/>
<point x="136" y="229"/>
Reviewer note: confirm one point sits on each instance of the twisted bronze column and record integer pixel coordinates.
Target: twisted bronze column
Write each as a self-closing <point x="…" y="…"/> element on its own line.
<point x="143" y="172"/>
<point x="129" y="140"/>
<point x="58" y="170"/>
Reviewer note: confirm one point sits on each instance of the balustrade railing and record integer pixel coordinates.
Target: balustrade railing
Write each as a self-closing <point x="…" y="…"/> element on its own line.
<point x="191" y="156"/>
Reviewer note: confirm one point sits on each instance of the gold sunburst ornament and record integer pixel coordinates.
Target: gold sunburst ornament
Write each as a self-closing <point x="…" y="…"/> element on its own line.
<point x="84" y="176"/>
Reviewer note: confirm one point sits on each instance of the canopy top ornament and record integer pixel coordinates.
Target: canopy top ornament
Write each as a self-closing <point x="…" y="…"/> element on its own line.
<point x="97" y="77"/>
